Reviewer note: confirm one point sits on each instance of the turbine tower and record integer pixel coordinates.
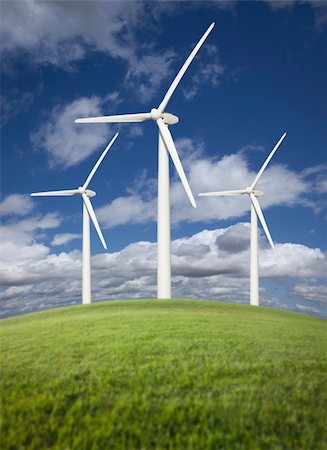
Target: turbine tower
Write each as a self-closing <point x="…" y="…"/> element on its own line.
<point x="88" y="212"/>
<point x="255" y="213"/>
<point x="166" y="147"/>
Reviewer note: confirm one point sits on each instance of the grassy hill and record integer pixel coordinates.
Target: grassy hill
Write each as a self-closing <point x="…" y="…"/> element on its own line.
<point x="163" y="374"/>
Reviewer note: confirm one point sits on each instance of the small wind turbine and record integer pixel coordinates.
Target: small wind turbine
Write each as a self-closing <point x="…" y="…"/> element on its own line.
<point x="255" y="213"/>
<point x="88" y="212"/>
<point x="165" y="146"/>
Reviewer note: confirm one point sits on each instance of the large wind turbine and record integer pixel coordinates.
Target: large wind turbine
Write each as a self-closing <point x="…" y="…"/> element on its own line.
<point x="88" y="212"/>
<point x="255" y="213"/>
<point x="165" y="146"/>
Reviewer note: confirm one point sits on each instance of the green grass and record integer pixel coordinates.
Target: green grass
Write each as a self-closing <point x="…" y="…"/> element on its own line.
<point x="162" y="374"/>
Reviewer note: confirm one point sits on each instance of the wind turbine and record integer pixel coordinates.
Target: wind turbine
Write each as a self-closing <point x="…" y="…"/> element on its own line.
<point x="88" y="212"/>
<point x="255" y="213"/>
<point x="165" y="146"/>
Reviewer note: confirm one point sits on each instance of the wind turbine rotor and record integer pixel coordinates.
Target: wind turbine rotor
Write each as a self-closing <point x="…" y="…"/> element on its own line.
<point x="92" y="215"/>
<point x="259" y="212"/>
<point x="170" y="146"/>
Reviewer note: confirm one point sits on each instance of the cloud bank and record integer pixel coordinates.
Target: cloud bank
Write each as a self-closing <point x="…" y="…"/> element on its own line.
<point x="214" y="174"/>
<point x="210" y="264"/>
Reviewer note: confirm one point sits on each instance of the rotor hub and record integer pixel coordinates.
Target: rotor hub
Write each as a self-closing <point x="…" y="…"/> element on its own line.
<point x="255" y="192"/>
<point x="155" y="114"/>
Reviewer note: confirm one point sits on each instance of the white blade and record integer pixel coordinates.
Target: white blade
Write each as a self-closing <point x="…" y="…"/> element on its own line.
<point x="97" y="164"/>
<point x="55" y="193"/>
<point x="265" y="164"/>
<point x="169" y="143"/>
<point x="114" y="119"/>
<point x="91" y="212"/>
<point x="258" y="210"/>
<point x="183" y="69"/>
<point x="218" y="193"/>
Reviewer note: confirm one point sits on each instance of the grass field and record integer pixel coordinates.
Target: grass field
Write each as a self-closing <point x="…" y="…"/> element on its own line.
<point x="163" y="374"/>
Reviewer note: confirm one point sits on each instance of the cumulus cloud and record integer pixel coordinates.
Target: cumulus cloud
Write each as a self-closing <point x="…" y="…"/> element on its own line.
<point x="294" y="260"/>
<point x="130" y="209"/>
<point x="307" y="309"/>
<point x="16" y="204"/>
<point x="13" y="102"/>
<point x="209" y="174"/>
<point x="18" y="241"/>
<point x="147" y="72"/>
<point x="208" y="71"/>
<point x="63" y="33"/>
<point x="68" y="143"/>
<point x="314" y="293"/>
<point x="205" y="265"/>
<point x="235" y="239"/>
<point x="318" y="178"/>
<point x="319" y="7"/>
<point x="64" y="238"/>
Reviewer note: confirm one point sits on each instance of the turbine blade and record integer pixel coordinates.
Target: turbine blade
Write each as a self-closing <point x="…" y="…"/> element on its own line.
<point x="265" y="164"/>
<point x="141" y="117"/>
<point x="169" y="143"/>
<point x="183" y="69"/>
<point x="55" y="193"/>
<point x="91" y="212"/>
<point x="221" y="193"/>
<point x="97" y="164"/>
<point x="258" y="210"/>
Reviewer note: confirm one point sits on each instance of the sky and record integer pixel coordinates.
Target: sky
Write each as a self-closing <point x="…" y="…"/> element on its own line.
<point x="262" y="71"/>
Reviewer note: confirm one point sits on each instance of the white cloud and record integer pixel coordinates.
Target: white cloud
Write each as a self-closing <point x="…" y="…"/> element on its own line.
<point x="293" y="260"/>
<point x="130" y="209"/>
<point x="210" y="264"/>
<point x="315" y="293"/>
<point x="321" y="16"/>
<point x="68" y="143"/>
<point x="307" y="309"/>
<point x="146" y="74"/>
<point x="18" y="241"/>
<point x="62" y="33"/>
<point x="14" y="102"/>
<point x="64" y="238"/>
<point x="319" y="7"/>
<point x="16" y="204"/>
<point x="318" y="178"/>
<point x="208" y="71"/>
<point x="209" y="174"/>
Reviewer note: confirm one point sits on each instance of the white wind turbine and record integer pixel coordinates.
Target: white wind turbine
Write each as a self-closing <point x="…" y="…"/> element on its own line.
<point x="165" y="146"/>
<point x="88" y="212"/>
<point x="255" y="213"/>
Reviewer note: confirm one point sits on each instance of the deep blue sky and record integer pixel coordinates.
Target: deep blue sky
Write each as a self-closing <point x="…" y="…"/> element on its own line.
<point x="262" y="71"/>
